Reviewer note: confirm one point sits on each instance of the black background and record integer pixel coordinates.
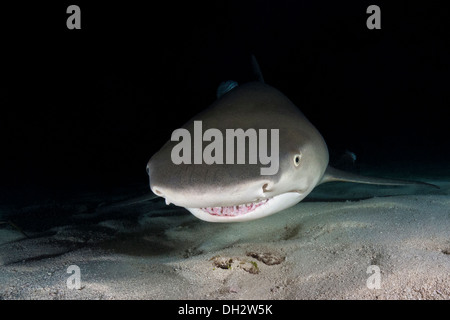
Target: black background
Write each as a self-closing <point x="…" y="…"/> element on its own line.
<point x="85" y="109"/>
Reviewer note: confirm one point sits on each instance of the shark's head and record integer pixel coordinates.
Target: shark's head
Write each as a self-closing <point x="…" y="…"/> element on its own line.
<point x="240" y="192"/>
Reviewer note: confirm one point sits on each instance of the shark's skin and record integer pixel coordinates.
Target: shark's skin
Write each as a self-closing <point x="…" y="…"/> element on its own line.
<point x="238" y="192"/>
<point x="253" y="105"/>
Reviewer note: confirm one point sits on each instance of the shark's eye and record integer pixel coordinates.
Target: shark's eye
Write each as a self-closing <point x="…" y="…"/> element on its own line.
<point x="297" y="159"/>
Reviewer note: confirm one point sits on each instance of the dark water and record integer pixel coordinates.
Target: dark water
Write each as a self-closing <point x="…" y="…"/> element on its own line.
<point x="82" y="111"/>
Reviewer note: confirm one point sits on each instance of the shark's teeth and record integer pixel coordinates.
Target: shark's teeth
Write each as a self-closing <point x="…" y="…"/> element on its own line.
<point x="237" y="210"/>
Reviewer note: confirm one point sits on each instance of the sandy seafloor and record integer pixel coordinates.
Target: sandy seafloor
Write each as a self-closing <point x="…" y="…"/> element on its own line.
<point x="319" y="249"/>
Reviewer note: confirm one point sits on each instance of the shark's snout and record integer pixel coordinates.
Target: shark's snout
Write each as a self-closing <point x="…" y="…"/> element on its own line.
<point x="248" y="201"/>
<point x="215" y="196"/>
<point x="223" y="190"/>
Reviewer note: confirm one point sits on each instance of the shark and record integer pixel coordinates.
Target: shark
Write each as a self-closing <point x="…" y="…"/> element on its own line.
<point x="224" y="192"/>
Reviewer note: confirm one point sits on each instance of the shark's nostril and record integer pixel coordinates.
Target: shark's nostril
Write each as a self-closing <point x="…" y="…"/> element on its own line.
<point x="268" y="187"/>
<point x="161" y="194"/>
<point x="157" y="192"/>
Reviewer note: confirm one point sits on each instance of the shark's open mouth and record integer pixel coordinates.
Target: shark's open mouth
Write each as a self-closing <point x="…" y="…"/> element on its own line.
<point x="233" y="211"/>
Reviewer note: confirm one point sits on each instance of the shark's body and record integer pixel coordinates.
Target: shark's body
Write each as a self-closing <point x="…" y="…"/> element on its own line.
<point x="238" y="192"/>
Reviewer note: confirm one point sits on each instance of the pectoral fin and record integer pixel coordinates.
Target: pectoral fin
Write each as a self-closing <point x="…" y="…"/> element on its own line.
<point x="332" y="174"/>
<point x="136" y="200"/>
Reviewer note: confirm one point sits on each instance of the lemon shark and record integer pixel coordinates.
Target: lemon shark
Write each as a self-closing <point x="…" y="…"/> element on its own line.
<point x="236" y="192"/>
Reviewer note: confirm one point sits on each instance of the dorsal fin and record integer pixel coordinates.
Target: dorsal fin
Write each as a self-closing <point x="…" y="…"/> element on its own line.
<point x="332" y="174"/>
<point x="257" y="69"/>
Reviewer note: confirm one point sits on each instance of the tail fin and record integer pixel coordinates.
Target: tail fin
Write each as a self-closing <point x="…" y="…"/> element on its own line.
<point x="225" y="87"/>
<point x="332" y="174"/>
